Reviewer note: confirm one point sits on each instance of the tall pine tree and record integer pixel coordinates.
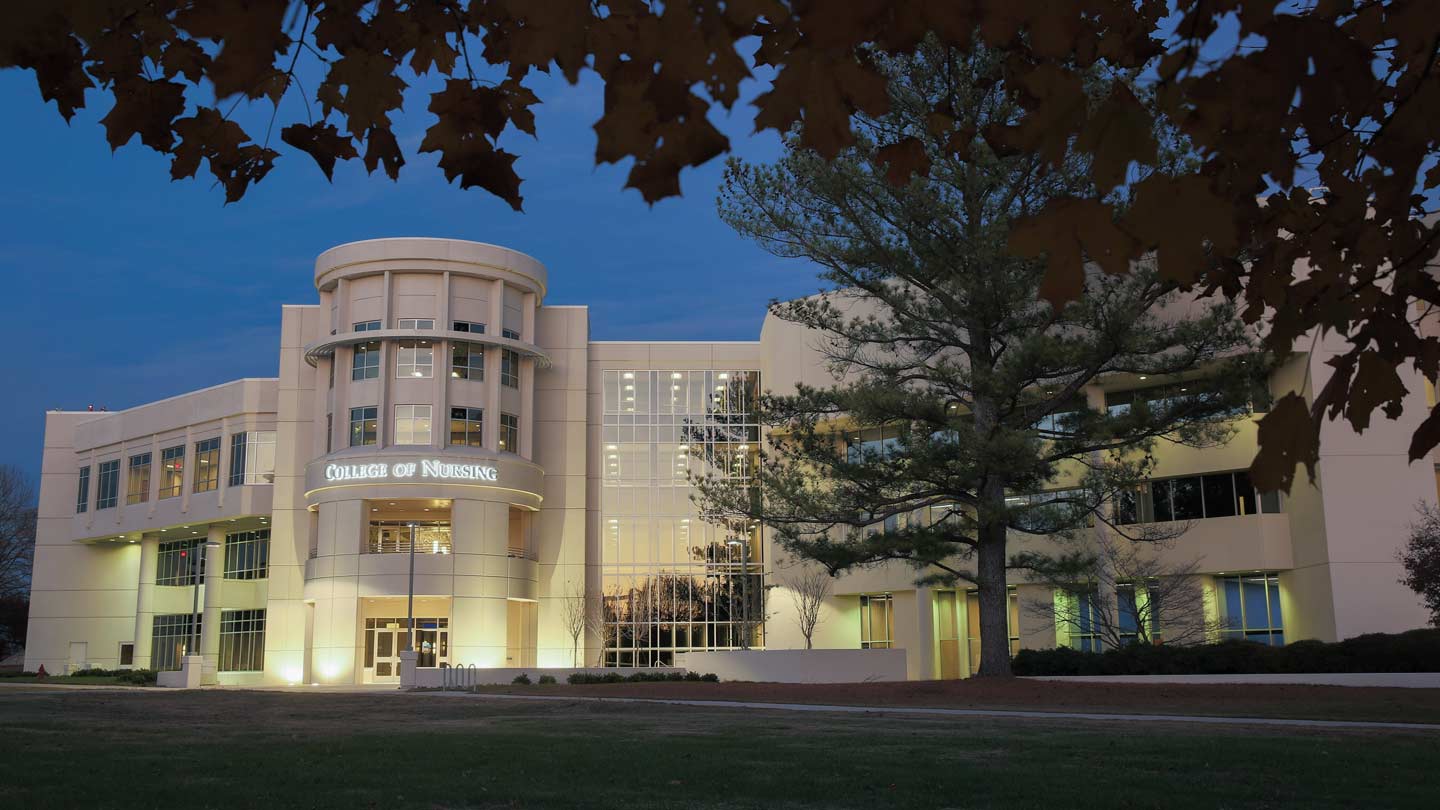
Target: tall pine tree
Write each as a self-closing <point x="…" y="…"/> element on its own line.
<point x="940" y="338"/>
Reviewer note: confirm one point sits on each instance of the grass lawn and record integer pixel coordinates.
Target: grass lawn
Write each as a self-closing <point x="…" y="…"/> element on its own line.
<point x="224" y="749"/>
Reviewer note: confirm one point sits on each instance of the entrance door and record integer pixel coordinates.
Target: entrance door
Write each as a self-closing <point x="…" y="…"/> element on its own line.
<point x="388" y="642"/>
<point x="385" y="640"/>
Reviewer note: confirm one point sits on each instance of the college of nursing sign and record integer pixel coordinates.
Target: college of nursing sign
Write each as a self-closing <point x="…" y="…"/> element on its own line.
<point x="428" y="469"/>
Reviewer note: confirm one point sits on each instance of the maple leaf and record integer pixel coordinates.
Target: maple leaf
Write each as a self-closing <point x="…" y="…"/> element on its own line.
<point x="903" y="160"/>
<point x="145" y="108"/>
<point x="323" y="142"/>
<point x="1119" y="132"/>
<point x="1067" y="232"/>
<point x="1182" y="240"/>
<point x="1288" y="435"/>
<point x="381" y="147"/>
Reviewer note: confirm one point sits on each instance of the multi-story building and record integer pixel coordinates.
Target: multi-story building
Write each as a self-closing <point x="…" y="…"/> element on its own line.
<point x="432" y="408"/>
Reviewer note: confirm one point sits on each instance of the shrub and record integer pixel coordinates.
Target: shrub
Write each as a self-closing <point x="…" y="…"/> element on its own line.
<point x="1412" y="651"/>
<point x="638" y="677"/>
<point x="546" y="680"/>
<point x="522" y="679"/>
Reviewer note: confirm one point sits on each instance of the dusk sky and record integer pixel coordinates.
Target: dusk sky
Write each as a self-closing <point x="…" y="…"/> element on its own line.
<point x="122" y="287"/>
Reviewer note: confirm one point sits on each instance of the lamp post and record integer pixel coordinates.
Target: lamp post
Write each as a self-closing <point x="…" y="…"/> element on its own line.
<point x="410" y="610"/>
<point x="195" y="571"/>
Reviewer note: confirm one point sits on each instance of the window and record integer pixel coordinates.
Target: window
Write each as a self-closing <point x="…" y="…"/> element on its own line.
<point x="972" y="623"/>
<point x="509" y="334"/>
<point x="329" y="432"/>
<point x="509" y="368"/>
<point x="252" y="457"/>
<point x="412" y="424"/>
<point x="363" y="426"/>
<point x="247" y="555"/>
<point x="877" y="622"/>
<point x="871" y="444"/>
<point x="1139" y="613"/>
<point x="1082" y="615"/>
<point x="107" y="489"/>
<point x="510" y="432"/>
<point x="127" y="653"/>
<point x="467" y="426"/>
<point x="393" y="537"/>
<point x="179" y="562"/>
<point x="170" y="636"/>
<point x="82" y="492"/>
<point x="366" y="362"/>
<point x="467" y="361"/>
<point x="1194" y="497"/>
<point x="1250" y="609"/>
<point x="207" y="465"/>
<point x="415" y="358"/>
<point x="137" y="485"/>
<point x="416" y="323"/>
<point x="172" y="471"/>
<point x="470" y="326"/>
<point x="366" y="326"/>
<point x="242" y="640"/>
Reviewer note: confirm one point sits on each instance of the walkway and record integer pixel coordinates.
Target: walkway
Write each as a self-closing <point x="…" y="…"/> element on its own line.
<point x="1353" y="725"/>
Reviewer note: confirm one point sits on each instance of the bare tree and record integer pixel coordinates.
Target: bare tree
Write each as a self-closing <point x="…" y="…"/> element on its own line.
<point x="575" y="617"/>
<point x="809" y="590"/>
<point x="1125" y="592"/>
<point x="17" y="532"/>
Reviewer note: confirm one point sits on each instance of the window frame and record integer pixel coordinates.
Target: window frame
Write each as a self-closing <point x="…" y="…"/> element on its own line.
<point x="242" y="640"/>
<point x="407" y="419"/>
<point x="418" y="368"/>
<point x="137" y="478"/>
<point x="247" y="555"/>
<point x="511" y="430"/>
<point x="207" y="461"/>
<point x="365" y="361"/>
<point x="470" y="425"/>
<point x="467" y="360"/>
<point x="172" y="481"/>
<point x="468" y="327"/>
<point x="509" y="368"/>
<point x="415" y="324"/>
<point x="248" y="458"/>
<point x="365" y="326"/>
<point x="82" y="491"/>
<point x="107" y="479"/>
<point x="369" y="418"/>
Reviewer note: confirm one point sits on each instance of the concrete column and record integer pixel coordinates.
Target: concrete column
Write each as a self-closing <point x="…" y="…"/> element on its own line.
<point x="145" y="601"/>
<point x="491" y="432"/>
<point x="214" y="588"/>
<point x="478" y="608"/>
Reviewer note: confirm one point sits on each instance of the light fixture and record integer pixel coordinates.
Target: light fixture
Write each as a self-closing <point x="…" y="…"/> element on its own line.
<point x="629" y="375"/>
<point x="1143" y="377"/>
<point x="722" y="376"/>
<point x="610" y="447"/>
<point x="675" y="375"/>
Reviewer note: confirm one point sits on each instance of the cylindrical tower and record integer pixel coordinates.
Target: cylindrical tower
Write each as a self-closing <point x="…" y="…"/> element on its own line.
<point x="425" y="432"/>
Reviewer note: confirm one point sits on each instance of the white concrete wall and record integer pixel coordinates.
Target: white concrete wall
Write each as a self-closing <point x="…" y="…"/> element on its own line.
<point x="798" y="666"/>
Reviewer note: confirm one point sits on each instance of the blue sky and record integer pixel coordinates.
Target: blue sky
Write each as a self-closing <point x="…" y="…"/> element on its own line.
<point x="121" y="287"/>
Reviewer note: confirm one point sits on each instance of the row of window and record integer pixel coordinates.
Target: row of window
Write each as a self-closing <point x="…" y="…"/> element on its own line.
<point x="252" y="461"/>
<point x="1193" y="497"/>
<point x="242" y="640"/>
<point x="413" y="425"/>
<point x="1248" y="607"/>
<point x="182" y="562"/>
<point x="416" y="358"/>
<point x="429" y="323"/>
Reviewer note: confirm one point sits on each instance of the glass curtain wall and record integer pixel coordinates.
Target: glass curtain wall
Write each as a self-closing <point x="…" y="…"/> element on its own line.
<point x="673" y="582"/>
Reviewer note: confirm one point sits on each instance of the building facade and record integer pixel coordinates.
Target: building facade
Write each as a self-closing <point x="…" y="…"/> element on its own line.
<point x="432" y="408"/>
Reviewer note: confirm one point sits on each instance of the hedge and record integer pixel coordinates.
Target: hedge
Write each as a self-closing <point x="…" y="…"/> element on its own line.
<point x="1412" y="651"/>
<point x="639" y="677"/>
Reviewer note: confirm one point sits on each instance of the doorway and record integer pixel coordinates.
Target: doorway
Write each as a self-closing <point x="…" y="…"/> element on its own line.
<point x="385" y="639"/>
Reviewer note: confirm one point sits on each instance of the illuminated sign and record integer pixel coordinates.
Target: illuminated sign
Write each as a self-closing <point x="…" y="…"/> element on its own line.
<point x="428" y="469"/>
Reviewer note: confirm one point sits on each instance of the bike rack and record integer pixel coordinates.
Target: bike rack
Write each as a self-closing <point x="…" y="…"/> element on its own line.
<point x="460" y="678"/>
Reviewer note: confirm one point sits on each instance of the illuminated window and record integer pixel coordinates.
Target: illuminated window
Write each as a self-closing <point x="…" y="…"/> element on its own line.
<point x="364" y="427"/>
<point x="172" y="471"/>
<point x="207" y="465"/>
<point x="467" y="427"/>
<point x="414" y="358"/>
<point x="252" y="458"/>
<point x="1250" y="609"/>
<point x="393" y="537"/>
<point x="137" y="485"/>
<point x="877" y="622"/>
<point x="412" y="424"/>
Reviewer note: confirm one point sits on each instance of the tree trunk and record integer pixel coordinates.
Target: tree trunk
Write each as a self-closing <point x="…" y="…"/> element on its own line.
<point x="994" y="604"/>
